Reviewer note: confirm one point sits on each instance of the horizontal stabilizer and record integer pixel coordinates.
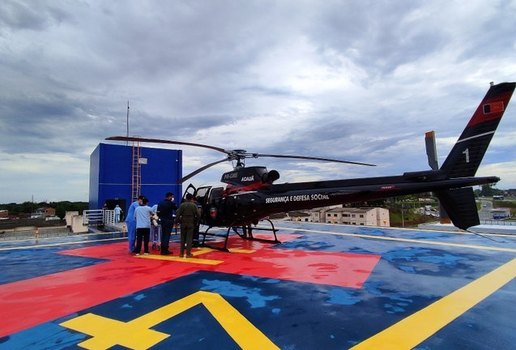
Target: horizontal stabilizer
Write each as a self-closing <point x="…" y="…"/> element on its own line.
<point x="460" y="206"/>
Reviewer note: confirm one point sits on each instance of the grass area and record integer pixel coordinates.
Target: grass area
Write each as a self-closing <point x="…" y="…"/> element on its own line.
<point x="410" y="219"/>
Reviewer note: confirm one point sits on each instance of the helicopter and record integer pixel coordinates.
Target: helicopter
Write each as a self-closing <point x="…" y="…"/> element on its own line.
<point x="251" y="194"/>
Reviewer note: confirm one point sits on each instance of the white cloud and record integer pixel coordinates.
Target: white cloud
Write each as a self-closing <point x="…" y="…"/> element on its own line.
<point x="505" y="171"/>
<point x="44" y="176"/>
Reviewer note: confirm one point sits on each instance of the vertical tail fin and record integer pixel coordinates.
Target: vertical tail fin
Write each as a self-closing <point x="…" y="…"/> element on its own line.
<point x="465" y="157"/>
<point x="460" y="206"/>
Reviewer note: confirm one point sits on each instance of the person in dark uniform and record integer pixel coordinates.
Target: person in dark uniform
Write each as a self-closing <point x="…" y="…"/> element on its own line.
<point x="187" y="215"/>
<point x="166" y="209"/>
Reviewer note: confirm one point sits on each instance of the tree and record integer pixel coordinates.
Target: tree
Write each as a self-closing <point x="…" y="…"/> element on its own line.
<point x="489" y="191"/>
<point x="29" y="207"/>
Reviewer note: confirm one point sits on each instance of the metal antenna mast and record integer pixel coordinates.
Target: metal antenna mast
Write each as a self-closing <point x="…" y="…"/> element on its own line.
<point x="127" y="121"/>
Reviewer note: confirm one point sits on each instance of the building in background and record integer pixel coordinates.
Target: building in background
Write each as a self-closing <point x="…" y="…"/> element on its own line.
<point x="319" y="214"/>
<point x="347" y="216"/>
<point x="359" y="216"/>
<point x="501" y="213"/>
<point x="42" y="213"/>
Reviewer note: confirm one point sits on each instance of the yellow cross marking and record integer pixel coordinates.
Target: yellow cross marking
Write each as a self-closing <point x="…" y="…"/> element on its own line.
<point x="413" y="330"/>
<point x="107" y="332"/>
<point x="136" y="334"/>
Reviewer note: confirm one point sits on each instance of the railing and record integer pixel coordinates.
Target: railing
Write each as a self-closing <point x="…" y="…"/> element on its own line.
<point x="98" y="217"/>
<point x="109" y="217"/>
<point x="498" y="222"/>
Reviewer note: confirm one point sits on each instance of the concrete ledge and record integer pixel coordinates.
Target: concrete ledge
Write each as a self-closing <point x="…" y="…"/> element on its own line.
<point x="495" y="229"/>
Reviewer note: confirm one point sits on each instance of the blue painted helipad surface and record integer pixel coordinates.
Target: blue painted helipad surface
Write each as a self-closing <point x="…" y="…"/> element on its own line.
<point x="324" y="287"/>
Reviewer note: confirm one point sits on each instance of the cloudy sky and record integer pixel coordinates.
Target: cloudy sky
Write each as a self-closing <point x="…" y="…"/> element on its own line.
<point x="355" y="80"/>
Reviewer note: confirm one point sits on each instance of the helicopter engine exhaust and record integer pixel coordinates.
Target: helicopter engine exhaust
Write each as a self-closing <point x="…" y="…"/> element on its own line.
<point x="270" y="176"/>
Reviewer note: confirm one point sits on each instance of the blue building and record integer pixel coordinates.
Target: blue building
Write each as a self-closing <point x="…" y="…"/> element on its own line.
<point x="118" y="173"/>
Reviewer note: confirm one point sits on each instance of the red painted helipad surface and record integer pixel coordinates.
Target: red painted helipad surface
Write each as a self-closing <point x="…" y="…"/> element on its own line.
<point x="70" y="291"/>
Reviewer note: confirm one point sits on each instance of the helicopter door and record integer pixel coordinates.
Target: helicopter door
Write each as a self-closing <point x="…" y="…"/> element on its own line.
<point x="190" y="189"/>
<point x="201" y="195"/>
<point x="201" y="199"/>
<point x="215" y="204"/>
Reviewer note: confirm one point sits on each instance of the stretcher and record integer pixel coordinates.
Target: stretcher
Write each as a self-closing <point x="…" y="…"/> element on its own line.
<point x="155" y="236"/>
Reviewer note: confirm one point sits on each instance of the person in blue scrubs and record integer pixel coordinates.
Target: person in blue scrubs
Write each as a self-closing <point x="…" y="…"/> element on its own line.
<point x="130" y="221"/>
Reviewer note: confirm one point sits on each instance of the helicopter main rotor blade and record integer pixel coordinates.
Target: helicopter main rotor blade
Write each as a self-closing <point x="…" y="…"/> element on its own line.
<point x="193" y="173"/>
<point x="255" y="155"/>
<point x="236" y="154"/>
<point x="170" y="142"/>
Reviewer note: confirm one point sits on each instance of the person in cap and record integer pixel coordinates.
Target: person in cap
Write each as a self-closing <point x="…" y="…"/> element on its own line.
<point x="187" y="215"/>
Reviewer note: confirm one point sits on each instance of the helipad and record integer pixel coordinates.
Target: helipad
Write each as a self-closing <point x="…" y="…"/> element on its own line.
<point x="323" y="287"/>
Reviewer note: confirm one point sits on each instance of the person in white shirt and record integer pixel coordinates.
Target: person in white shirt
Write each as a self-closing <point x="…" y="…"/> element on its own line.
<point x="118" y="211"/>
<point x="143" y="215"/>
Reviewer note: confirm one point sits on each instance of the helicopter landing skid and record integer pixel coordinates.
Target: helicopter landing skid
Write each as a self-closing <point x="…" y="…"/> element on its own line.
<point x="247" y="233"/>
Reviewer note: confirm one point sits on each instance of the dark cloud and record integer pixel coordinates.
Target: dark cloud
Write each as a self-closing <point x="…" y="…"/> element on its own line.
<point x="493" y="33"/>
<point x="375" y="34"/>
<point x="30" y="15"/>
<point x="359" y="81"/>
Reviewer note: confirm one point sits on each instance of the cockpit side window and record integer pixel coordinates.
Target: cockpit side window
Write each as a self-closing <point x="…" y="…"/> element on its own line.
<point x="216" y="193"/>
<point x="200" y="196"/>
